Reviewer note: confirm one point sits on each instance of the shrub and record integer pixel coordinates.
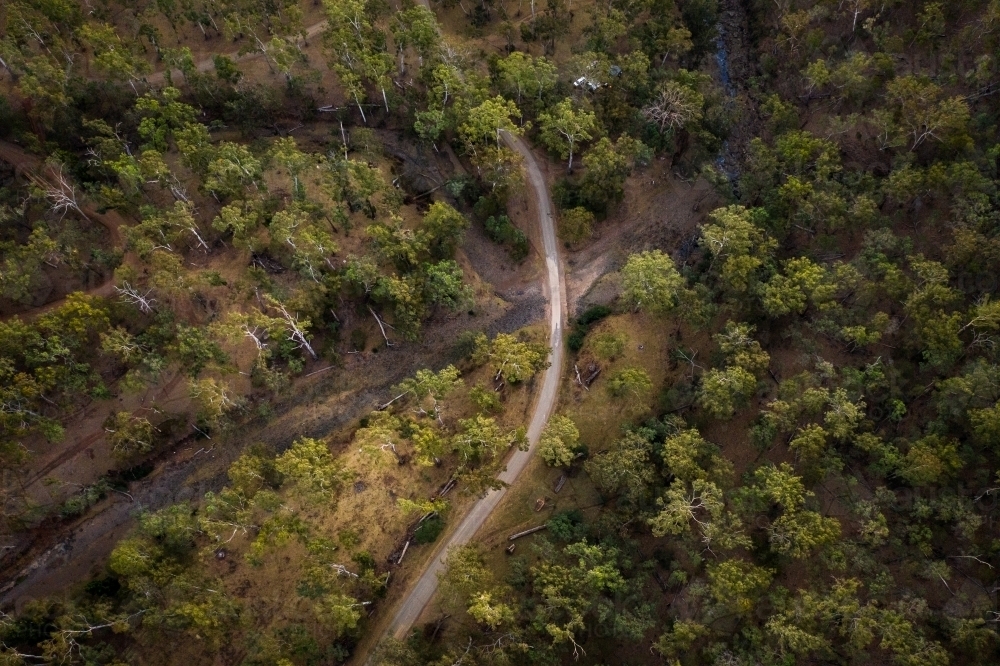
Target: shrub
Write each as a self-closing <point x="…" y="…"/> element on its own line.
<point x="429" y="530"/>
<point x="501" y="230"/>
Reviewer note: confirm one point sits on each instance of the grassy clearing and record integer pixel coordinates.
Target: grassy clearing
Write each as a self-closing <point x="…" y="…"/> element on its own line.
<point x="646" y="344"/>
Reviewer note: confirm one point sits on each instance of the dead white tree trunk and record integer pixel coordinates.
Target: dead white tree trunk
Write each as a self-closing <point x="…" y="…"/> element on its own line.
<point x="381" y="326"/>
<point x="61" y="194"/>
<point x="255" y="335"/>
<point x="403" y="554"/>
<point x="295" y="332"/>
<point x="131" y="295"/>
<point x="343" y="571"/>
<point x="201" y="241"/>
<point x="518" y="535"/>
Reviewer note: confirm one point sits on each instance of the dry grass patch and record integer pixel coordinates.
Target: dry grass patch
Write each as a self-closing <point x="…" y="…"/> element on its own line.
<point x="617" y="343"/>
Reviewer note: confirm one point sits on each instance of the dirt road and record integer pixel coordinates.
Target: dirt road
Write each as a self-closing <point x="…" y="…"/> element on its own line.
<point x="425" y="587"/>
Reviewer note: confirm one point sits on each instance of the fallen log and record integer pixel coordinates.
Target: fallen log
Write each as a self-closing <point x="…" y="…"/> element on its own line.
<point x="403" y="554"/>
<point x="532" y="530"/>
<point x="447" y="487"/>
<point x="427" y="515"/>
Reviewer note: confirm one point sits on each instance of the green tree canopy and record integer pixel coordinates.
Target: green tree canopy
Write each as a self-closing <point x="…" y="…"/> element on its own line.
<point x="650" y="281"/>
<point x="564" y="127"/>
<point x="559" y="441"/>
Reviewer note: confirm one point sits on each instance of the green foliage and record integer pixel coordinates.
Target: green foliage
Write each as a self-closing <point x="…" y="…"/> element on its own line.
<point x="429" y="530"/>
<point x="607" y="166"/>
<point x="737" y="585"/>
<point x="501" y="230"/>
<point x="559" y="442"/>
<point x="445" y="285"/>
<point x="738" y="245"/>
<point x="511" y="358"/>
<point x="650" y="281"/>
<point x="130" y="436"/>
<point x="430" y="387"/>
<point x="565" y="127"/>
<point x="583" y="323"/>
<point x="195" y="350"/>
<point x="680" y="638"/>
<point x="630" y="382"/>
<point x="485" y="123"/>
<point x="856" y="274"/>
<point x="789" y="293"/>
<point x="47" y="357"/>
<point x="625" y="469"/>
<point x="609" y="345"/>
<point x="569" y="592"/>
<point x="724" y="390"/>
<point x="929" y="460"/>
<point x="214" y="399"/>
<point x="310" y="467"/>
<point x="522" y="74"/>
<point x="22" y="263"/>
<point x="485" y="399"/>
<point x="921" y="112"/>
<point x="576" y="224"/>
<point x="445" y="228"/>
<point x="567" y="526"/>
<point x="480" y="439"/>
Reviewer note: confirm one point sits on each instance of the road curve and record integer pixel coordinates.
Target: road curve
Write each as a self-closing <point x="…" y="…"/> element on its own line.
<point x="425" y="587"/>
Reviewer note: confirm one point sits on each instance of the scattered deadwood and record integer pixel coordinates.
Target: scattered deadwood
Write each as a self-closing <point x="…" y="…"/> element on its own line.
<point x="539" y="504"/>
<point x="381" y="326"/>
<point x="510" y="549"/>
<point x="578" y="379"/>
<point x="266" y="263"/>
<point x="296" y="333"/>
<point x="403" y="554"/>
<point x="526" y="532"/>
<point x="437" y="629"/>
<point x="594" y="371"/>
<point x="446" y="488"/>
<point x="385" y="406"/>
<point x="560" y="482"/>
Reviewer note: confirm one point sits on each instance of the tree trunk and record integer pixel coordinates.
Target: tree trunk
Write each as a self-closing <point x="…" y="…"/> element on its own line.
<point x="358" y="101"/>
